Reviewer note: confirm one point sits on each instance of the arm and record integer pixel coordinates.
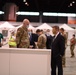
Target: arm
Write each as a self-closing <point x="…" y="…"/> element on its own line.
<point x="39" y="43"/>
<point x="2" y="38"/>
<point x="18" y="35"/>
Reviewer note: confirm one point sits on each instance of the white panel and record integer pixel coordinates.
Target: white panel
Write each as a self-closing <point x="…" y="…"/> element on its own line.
<point x="29" y="64"/>
<point x="18" y="61"/>
<point x="4" y="63"/>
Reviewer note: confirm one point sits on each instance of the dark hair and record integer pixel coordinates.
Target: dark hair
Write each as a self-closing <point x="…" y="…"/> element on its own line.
<point x="62" y="29"/>
<point x="56" y="27"/>
<point x="41" y="30"/>
<point x="38" y="30"/>
<point x="74" y="35"/>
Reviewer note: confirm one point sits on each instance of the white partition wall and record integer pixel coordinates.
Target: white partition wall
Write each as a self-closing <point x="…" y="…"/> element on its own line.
<point x="26" y="61"/>
<point x="4" y="62"/>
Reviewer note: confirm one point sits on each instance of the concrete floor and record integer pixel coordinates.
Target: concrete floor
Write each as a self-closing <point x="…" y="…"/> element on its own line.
<point x="70" y="68"/>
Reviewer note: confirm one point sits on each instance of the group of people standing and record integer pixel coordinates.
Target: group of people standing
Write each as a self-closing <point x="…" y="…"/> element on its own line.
<point x="24" y="38"/>
<point x="41" y="40"/>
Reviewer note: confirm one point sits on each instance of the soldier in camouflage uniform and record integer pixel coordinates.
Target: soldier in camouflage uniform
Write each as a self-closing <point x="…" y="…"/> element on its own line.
<point x="65" y="36"/>
<point x="41" y="40"/>
<point x="22" y="38"/>
<point x="72" y="45"/>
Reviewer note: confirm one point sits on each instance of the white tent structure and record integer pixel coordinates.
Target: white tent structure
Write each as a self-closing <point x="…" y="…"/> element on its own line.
<point x="68" y="29"/>
<point x="44" y="26"/>
<point x="31" y="27"/>
<point x="5" y="28"/>
<point x="18" y="26"/>
<point x="6" y="25"/>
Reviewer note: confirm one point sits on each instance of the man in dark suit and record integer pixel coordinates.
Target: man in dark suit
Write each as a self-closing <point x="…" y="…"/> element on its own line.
<point x="49" y="39"/>
<point x="58" y="48"/>
<point x="32" y="38"/>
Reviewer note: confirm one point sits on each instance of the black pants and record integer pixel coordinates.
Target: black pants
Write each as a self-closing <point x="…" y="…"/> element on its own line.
<point x="56" y="62"/>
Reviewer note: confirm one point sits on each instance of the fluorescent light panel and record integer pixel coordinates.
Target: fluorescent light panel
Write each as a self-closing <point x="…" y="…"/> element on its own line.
<point x="59" y="14"/>
<point x="28" y="13"/>
<point x="1" y="12"/>
<point x="44" y="14"/>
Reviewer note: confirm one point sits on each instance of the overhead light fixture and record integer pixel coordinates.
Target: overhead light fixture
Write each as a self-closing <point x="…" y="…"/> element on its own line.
<point x="73" y="2"/>
<point x="1" y="12"/>
<point x="24" y="0"/>
<point x="28" y="13"/>
<point x="70" y="4"/>
<point x="26" y="4"/>
<point x="59" y="14"/>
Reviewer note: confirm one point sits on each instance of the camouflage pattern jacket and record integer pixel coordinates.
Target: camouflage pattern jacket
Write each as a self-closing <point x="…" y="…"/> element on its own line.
<point x="22" y="38"/>
<point x="42" y="41"/>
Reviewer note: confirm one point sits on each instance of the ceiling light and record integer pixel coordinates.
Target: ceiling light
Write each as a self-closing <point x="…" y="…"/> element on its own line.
<point x="1" y="12"/>
<point x="70" y="4"/>
<point x="73" y="2"/>
<point x="24" y="0"/>
<point x="26" y="4"/>
<point x="28" y="13"/>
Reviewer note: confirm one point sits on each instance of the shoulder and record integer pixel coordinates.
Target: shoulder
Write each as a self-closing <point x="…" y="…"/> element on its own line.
<point x="1" y="34"/>
<point x="41" y="35"/>
<point x="61" y="36"/>
<point x="33" y="33"/>
<point x="19" y="29"/>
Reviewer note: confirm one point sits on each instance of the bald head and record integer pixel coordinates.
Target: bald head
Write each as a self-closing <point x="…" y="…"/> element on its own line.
<point x="26" y="22"/>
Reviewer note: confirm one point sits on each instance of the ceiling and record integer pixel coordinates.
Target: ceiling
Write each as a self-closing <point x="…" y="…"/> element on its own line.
<point x="43" y="5"/>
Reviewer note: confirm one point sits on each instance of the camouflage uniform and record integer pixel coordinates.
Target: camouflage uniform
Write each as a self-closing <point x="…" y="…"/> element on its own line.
<point x="72" y="46"/>
<point x="42" y="41"/>
<point x="63" y="58"/>
<point x="22" y="38"/>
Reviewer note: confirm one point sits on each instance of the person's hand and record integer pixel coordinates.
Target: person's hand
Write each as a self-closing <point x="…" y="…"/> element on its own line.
<point x="35" y="43"/>
<point x="31" y="46"/>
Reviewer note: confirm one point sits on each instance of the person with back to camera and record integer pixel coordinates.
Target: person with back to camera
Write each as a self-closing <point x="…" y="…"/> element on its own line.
<point x="32" y="37"/>
<point x="49" y="39"/>
<point x="22" y="38"/>
<point x="41" y="43"/>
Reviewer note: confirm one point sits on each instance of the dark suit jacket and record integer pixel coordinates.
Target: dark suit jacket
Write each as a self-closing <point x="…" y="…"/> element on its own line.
<point x="33" y="39"/>
<point x="49" y="41"/>
<point x="58" y="46"/>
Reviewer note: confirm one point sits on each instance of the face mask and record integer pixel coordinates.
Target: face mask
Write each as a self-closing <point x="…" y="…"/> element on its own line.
<point x="48" y="34"/>
<point x="27" y="26"/>
<point x="29" y="33"/>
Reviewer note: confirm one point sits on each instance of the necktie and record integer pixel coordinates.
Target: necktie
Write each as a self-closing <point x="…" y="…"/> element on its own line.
<point x="53" y="38"/>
